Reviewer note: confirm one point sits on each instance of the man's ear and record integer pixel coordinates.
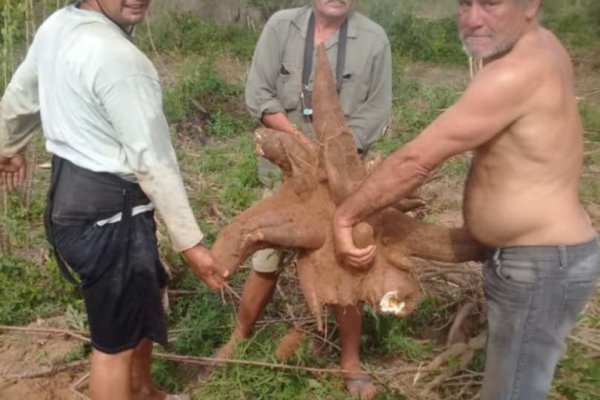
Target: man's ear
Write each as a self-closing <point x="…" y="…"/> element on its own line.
<point x="532" y="8"/>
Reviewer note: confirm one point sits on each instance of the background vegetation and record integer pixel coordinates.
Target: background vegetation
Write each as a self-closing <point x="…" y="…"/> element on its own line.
<point x="203" y="65"/>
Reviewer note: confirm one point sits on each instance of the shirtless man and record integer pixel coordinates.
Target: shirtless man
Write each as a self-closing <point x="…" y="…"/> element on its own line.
<point x="520" y="118"/>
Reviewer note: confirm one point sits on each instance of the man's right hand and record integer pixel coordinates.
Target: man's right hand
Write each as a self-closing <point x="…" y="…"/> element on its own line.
<point x="206" y="267"/>
<point x="345" y="247"/>
<point x="13" y="171"/>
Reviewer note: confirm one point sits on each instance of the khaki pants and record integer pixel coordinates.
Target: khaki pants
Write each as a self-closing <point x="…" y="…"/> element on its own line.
<point x="268" y="261"/>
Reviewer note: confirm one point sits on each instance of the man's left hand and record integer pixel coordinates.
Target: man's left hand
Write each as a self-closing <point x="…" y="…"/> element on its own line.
<point x="13" y="171"/>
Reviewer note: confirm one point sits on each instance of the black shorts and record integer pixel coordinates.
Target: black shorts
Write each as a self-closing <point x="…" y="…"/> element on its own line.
<point x="121" y="280"/>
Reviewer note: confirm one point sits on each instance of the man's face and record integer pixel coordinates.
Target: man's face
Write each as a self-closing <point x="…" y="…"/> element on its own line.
<point x="124" y="12"/>
<point x="491" y="27"/>
<point x="333" y="8"/>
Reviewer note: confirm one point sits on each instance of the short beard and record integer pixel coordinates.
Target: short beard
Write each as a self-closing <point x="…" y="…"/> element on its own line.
<point x="499" y="49"/>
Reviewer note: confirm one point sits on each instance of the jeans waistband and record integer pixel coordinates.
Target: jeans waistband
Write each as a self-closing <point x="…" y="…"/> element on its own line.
<point x="546" y="252"/>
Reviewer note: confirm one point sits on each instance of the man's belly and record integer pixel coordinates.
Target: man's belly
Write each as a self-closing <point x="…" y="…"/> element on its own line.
<point x="500" y="220"/>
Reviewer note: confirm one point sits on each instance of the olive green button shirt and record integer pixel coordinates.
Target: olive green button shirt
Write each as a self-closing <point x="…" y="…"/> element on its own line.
<point x="275" y="78"/>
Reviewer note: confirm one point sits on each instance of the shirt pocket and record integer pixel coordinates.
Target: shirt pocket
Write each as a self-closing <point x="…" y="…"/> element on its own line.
<point x="355" y="89"/>
<point x="288" y="85"/>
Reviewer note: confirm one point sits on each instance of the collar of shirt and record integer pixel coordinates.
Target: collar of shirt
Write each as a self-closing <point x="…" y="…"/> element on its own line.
<point x="96" y="16"/>
<point x="301" y="23"/>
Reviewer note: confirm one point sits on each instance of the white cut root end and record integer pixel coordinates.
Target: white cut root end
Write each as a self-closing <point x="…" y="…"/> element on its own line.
<point x="391" y="304"/>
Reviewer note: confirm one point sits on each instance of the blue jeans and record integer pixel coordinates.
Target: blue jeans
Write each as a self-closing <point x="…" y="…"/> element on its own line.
<point x="533" y="294"/>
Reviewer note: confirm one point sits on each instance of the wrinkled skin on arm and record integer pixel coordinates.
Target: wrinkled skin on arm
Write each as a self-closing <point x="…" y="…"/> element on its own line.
<point x="301" y="211"/>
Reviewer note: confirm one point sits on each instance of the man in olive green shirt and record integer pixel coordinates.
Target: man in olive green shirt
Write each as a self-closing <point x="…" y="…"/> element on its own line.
<point x="274" y="88"/>
<point x="278" y="94"/>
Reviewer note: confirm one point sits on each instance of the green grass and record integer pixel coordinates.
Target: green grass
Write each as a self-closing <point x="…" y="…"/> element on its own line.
<point x="578" y="375"/>
<point x="189" y="35"/>
<point x="384" y="335"/>
<point x="590" y="114"/>
<point x="231" y="174"/>
<point x="577" y="24"/>
<point x="30" y="290"/>
<point x="78" y="353"/>
<point x="415" y="106"/>
<point x="200" y="84"/>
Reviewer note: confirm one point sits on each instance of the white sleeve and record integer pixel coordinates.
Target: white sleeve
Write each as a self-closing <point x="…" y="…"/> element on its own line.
<point x="19" y="108"/>
<point x="134" y="107"/>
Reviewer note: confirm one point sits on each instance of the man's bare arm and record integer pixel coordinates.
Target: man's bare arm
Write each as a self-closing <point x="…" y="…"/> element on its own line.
<point x="280" y="122"/>
<point x="493" y="101"/>
<point x="19" y="117"/>
<point x="205" y="267"/>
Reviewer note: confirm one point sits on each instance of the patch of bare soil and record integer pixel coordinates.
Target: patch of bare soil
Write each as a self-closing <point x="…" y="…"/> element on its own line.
<point x="191" y="131"/>
<point x="167" y="67"/>
<point x="443" y="198"/>
<point x="25" y="355"/>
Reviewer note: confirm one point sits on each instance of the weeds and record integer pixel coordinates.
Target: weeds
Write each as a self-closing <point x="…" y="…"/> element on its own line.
<point x="201" y="89"/>
<point x="590" y="113"/>
<point x="414" y="107"/>
<point x="575" y="23"/>
<point x="190" y="35"/>
<point x="79" y="353"/>
<point x="420" y="39"/>
<point x="577" y="376"/>
<point x="386" y="335"/>
<point x="31" y="290"/>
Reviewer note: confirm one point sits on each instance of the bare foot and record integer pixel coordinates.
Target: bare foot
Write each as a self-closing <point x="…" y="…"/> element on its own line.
<point x="224" y="352"/>
<point x="360" y="385"/>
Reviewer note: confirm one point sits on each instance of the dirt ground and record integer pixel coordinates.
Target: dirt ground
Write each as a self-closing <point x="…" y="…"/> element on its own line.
<point x="26" y="354"/>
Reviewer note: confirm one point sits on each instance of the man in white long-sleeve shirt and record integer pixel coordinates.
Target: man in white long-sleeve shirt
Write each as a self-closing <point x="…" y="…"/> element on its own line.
<point x="99" y="101"/>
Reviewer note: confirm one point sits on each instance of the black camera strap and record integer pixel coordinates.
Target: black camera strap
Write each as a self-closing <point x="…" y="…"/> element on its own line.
<point x="308" y="57"/>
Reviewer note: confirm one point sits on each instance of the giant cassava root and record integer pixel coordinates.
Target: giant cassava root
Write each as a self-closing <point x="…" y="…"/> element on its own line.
<point x="300" y="212"/>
